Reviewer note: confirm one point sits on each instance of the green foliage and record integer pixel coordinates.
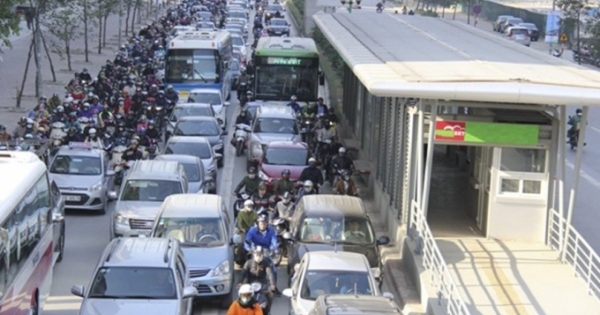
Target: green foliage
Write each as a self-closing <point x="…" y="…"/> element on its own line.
<point x="9" y="21"/>
<point x="299" y="4"/>
<point x="327" y="50"/>
<point x="427" y="13"/>
<point x="298" y="17"/>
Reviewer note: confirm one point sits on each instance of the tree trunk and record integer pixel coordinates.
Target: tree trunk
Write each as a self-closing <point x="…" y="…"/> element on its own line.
<point x="85" y="31"/>
<point x="134" y="14"/>
<point x="20" y="94"/>
<point x="68" y="53"/>
<point x="49" y="58"/>
<point x="454" y="14"/>
<point x="100" y="32"/>
<point x="104" y="30"/>
<point x="127" y="19"/>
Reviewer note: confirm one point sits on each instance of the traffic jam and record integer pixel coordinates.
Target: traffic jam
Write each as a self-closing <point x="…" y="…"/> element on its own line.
<point x="144" y="142"/>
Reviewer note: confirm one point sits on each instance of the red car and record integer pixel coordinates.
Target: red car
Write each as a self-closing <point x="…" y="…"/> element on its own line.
<point x="281" y="155"/>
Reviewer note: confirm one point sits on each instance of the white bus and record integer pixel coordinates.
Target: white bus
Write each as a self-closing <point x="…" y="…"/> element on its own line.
<point x="31" y="233"/>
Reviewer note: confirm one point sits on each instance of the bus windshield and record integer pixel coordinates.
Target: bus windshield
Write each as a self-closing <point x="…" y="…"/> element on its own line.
<point x="192" y="65"/>
<point x="280" y="82"/>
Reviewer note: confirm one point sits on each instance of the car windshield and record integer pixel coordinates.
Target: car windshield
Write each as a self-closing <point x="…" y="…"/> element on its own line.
<point x="518" y="31"/>
<point x="205" y="98"/>
<point x="321" y="282"/>
<point x="514" y="21"/>
<point x="206" y="25"/>
<point x="192" y="231"/>
<point x="180" y="112"/>
<point x="352" y="230"/>
<point x="192" y="170"/>
<point x="279" y="22"/>
<point x="76" y="165"/>
<point x="205" y="15"/>
<point x="196" y="128"/>
<point x="237" y="14"/>
<point x="530" y="26"/>
<point x="150" y="190"/>
<point x="237" y="41"/>
<point x="278" y="156"/>
<point x="192" y="65"/>
<point x="275" y="7"/>
<point x="201" y="150"/>
<point x="234" y="65"/>
<point x="143" y="283"/>
<point x="276" y="125"/>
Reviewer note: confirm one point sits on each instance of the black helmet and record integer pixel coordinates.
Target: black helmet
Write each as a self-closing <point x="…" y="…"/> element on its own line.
<point x="262" y="186"/>
<point x="285" y="172"/>
<point x="252" y="170"/>
<point x="578" y="111"/>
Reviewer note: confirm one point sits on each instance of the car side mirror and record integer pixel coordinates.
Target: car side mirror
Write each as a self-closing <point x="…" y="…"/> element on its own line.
<point x="57" y="217"/>
<point x="287" y="236"/>
<point x="384" y="240"/>
<point x="189" y="292"/>
<point x="288" y="293"/>
<point x="112" y="195"/>
<point x="225" y="132"/>
<point x="226" y="104"/>
<point x="110" y="173"/>
<point x="218" y="156"/>
<point x="77" y="290"/>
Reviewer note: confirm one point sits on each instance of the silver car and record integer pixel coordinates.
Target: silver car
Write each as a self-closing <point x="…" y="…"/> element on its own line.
<point x="138" y="276"/>
<point x="272" y="123"/>
<point x="79" y="172"/>
<point x="182" y="110"/>
<point x="199" y="147"/>
<point x="518" y="34"/>
<point x="215" y="98"/>
<point x="198" y="181"/>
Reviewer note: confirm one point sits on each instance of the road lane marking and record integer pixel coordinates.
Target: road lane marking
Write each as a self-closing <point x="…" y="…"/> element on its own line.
<point x="595" y="129"/>
<point x="584" y="175"/>
<point x="62" y="303"/>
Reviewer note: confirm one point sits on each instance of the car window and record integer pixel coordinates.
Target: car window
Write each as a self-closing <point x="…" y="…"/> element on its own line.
<point x="192" y="170"/>
<point x="275" y="125"/>
<point x="205" y="98"/>
<point x="321" y="282"/>
<point x="336" y="230"/>
<point x="180" y="112"/>
<point x="281" y="22"/>
<point x="283" y="156"/>
<point x="134" y="283"/>
<point x="76" y="165"/>
<point x="197" y="128"/>
<point x="150" y="190"/>
<point x="192" y="232"/>
<point x="201" y="150"/>
<point x="237" y="41"/>
<point x="518" y="31"/>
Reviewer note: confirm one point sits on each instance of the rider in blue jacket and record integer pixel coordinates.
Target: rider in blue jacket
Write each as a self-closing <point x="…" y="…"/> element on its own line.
<point x="265" y="236"/>
<point x="294" y="105"/>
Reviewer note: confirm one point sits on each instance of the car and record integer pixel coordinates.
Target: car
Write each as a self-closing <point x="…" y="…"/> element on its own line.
<point x="58" y="217"/>
<point x="327" y="222"/>
<point x="187" y="218"/>
<point x="215" y="98"/>
<point x="243" y="4"/>
<point x="518" y="34"/>
<point x="344" y="304"/>
<point x="198" y="179"/>
<point x="272" y="10"/>
<point x="236" y="68"/>
<point x="534" y="33"/>
<point x="510" y="22"/>
<point x="236" y="20"/>
<point x="207" y="127"/>
<point x="206" y="26"/>
<point x="271" y="123"/>
<point x="330" y="272"/>
<point x="239" y="43"/>
<point x="138" y="276"/>
<point x="182" y="110"/>
<point x="205" y="16"/>
<point x="237" y="14"/>
<point x="281" y="155"/>
<point x="497" y="25"/>
<point x="196" y="146"/>
<point x="237" y="29"/>
<point x="79" y="171"/>
<point x="278" y="27"/>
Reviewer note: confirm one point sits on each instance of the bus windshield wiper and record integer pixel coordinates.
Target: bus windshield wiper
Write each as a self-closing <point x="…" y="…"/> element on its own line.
<point x="201" y="76"/>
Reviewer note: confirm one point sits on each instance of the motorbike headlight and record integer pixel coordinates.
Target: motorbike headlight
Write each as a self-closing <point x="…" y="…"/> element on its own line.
<point x="222" y="269"/>
<point x="121" y="219"/>
<point x="96" y="187"/>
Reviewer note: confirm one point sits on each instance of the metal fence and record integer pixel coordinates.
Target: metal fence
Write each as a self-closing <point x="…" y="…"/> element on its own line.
<point x="439" y="276"/>
<point x="578" y="253"/>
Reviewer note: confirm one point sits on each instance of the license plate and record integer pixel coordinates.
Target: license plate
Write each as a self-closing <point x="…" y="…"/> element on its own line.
<point x="184" y="95"/>
<point x="72" y="198"/>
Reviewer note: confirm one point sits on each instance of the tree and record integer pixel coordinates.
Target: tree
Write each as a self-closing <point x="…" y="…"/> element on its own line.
<point x="9" y="21"/>
<point x="572" y="10"/>
<point x="64" y="24"/>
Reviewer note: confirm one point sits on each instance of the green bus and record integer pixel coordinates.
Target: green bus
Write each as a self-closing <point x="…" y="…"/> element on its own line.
<point x="286" y="66"/>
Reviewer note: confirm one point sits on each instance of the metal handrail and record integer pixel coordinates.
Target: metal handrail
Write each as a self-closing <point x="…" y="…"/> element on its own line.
<point x="578" y="253"/>
<point x="440" y="278"/>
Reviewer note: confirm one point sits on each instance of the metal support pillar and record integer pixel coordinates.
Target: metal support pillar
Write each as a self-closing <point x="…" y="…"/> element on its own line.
<point x="419" y="155"/>
<point x="575" y="186"/>
<point x="120" y="22"/>
<point x="562" y="135"/>
<point x="429" y="163"/>
<point x="409" y="169"/>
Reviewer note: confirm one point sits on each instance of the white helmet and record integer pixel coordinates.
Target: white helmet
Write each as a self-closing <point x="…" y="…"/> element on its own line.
<point x="92" y="131"/>
<point x="308" y="185"/>
<point x="245" y="289"/>
<point x="342" y="150"/>
<point x="293" y="98"/>
<point x="248" y="204"/>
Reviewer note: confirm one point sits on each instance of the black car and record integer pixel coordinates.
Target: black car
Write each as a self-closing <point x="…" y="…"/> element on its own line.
<point x="332" y="222"/>
<point x="278" y="27"/>
<point x="534" y="33"/>
<point x="274" y="10"/>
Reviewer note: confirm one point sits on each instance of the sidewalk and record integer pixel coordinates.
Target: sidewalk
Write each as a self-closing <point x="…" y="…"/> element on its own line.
<point x="14" y="61"/>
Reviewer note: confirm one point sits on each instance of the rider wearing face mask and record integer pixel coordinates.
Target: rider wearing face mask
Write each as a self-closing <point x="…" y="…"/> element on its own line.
<point x="245" y="304"/>
<point x="250" y="183"/>
<point x="284" y="184"/>
<point x="246" y="217"/>
<point x="259" y="269"/>
<point x="285" y="206"/>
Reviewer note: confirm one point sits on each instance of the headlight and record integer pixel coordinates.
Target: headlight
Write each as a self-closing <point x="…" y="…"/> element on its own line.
<point x="376" y="272"/>
<point x="218" y="146"/>
<point x="120" y="219"/>
<point x="96" y="187"/>
<point x="222" y="269"/>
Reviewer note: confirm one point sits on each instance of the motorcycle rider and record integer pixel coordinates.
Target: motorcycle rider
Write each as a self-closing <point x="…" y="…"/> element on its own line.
<point x="243" y="118"/>
<point x="246" y="217"/>
<point x="250" y="183"/>
<point x="307" y="189"/>
<point x="171" y="95"/>
<point x="321" y="108"/>
<point x="346" y="186"/>
<point x="73" y="135"/>
<point x="21" y="128"/>
<point x="85" y="76"/>
<point x="132" y="153"/>
<point x="263" y="199"/>
<point x="325" y="134"/>
<point x="341" y="162"/>
<point x="574" y="122"/>
<point x="4" y="136"/>
<point x="245" y="304"/>
<point x="152" y="132"/>
<point x="379" y="6"/>
<point x="259" y="269"/>
<point x="92" y="136"/>
<point x="285" y="207"/>
<point x="284" y="184"/>
<point x="265" y="236"/>
<point x="312" y="174"/>
<point x="294" y="105"/>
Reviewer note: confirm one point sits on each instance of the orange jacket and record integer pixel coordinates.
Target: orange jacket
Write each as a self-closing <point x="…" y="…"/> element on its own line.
<point x="237" y="309"/>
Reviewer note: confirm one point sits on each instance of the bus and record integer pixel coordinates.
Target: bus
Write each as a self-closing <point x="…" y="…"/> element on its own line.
<point x="30" y="244"/>
<point x="199" y="59"/>
<point x="286" y="66"/>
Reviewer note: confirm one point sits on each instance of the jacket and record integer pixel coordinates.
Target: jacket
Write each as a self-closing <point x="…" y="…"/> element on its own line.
<point x="313" y="174"/>
<point x="257" y="272"/>
<point x="302" y="193"/>
<point x="245" y="220"/>
<point x="283" y="186"/>
<point x="250" y="185"/>
<point x="237" y="309"/>
<point x="267" y="240"/>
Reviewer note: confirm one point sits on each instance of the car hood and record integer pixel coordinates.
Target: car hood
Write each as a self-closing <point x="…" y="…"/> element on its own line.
<point x="265" y="138"/>
<point x="145" y="210"/>
<point x="213" y="140"/>
<point x="370" y="251"/>
<point x="205" y="257"/>
<point x="218" y="108"/>
<point x="75" y="181"/>
<point x="277" y="27"/>
<point x="274" y="171"/>
<point x="129" y="306"/>
<point x="194" y="187"/>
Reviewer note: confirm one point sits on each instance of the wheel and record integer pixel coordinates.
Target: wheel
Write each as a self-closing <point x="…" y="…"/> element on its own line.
<point x="61" y="244"/>
<point x="34" y="309"/>
<point x="239" y="148"/>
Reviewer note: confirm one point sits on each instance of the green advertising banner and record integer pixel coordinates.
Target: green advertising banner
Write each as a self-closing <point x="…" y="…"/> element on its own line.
<point x="499" y="133"/>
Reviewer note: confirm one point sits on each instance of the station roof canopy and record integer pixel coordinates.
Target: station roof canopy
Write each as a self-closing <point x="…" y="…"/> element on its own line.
<point x="396" y="55"/>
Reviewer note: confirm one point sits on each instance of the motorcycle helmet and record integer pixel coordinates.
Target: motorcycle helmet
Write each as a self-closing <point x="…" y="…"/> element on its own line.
<point x="92" y="132"/>
<point x="308" y="185"/>
<point x="262" y="186"/>
<point x="245" y="289"/>
<point x="248" y="204"/>
<point x="293" y="98"/>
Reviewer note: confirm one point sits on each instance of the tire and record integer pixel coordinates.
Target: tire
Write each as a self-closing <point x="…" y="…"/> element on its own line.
<point x="239" y="149"/>
<point x="61" y="242"/>
<point x="226" y="300"/>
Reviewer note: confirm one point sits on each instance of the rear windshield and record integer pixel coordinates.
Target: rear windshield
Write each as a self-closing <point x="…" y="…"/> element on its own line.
<point x="518" y="31"/>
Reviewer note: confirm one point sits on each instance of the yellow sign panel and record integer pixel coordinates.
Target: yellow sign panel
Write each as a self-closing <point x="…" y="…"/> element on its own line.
<point x="564" y="38"/>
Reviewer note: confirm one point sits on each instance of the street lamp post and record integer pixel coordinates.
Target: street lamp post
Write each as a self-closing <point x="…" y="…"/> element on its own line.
<point x="350" y="3"/>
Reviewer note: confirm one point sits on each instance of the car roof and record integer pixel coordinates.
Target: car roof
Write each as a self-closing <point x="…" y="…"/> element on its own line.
<point x="340" y="260"/>
<point x="187" y="139"/>
<point x="278" y="19"/>
<point x="65" y="150"/>
<point x="505" y="16"/>
<point x="275" y="111"/>
<point x="205" y="90"/>
<point x="139" y="252"/>
<point x="150" y="169"/>
<point x="358" y="304"/>
<point x="327" y="204"/>
<point x="197" y="118"/>
<point x="528" y="24"/>
<point x="192" y="206"/>
<point x="181" y="158"/>
<point x="236" y="35"/>
<point x="186" y="105"/>
<point x="287" y="145"/>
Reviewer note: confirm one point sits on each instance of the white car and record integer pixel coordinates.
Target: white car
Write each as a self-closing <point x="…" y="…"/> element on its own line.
<point x="239" y="44"/>
<point x="328" y="272"/>
<point x="215" y="99"/>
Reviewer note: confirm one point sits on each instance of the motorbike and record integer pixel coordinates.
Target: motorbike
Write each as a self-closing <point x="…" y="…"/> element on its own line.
<point x="347" y="188"/>
<point x="259" y="296"/>
<point x="306" y="129"/>
<point x="57" y="134"/>
<point x="238" y="205"/>
<point x="324" y="150"/>
<point x="240" y="137"/>
<point x="379" y="9"/>
<point x="281" y="226"/>
<point x="338" y="175"/>
<point x="573" y="138"/>
<point x="118" y="164"/>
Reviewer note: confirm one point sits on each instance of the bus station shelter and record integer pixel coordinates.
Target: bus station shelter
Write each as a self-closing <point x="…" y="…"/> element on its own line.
<point x="463" y="133"/>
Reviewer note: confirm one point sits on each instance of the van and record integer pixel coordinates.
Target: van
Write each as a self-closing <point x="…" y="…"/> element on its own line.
<point x="355" y="305"/>
<point x="203" y="227"/>
<point x="147" y="184"/>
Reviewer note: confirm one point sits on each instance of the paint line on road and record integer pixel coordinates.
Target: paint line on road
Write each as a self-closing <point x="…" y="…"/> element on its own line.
<point x="229" y="163"/>
<point x="595" y="129"/>
<point x="62" y="303"/>
<point x="585" y="175"/>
